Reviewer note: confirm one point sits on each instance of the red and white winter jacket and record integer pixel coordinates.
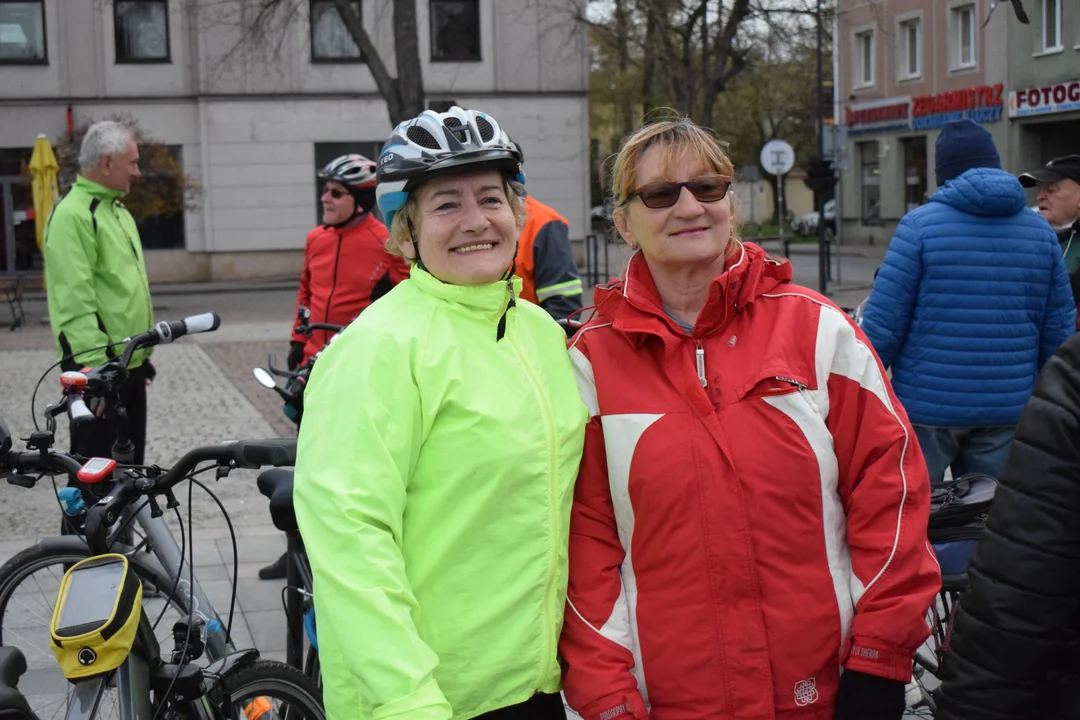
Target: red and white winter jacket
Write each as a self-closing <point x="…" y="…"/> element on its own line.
<point x="751" y="509"/>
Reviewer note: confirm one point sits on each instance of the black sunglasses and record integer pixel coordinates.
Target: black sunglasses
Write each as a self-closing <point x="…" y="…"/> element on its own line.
<point x="335" y="193"/>
<point x="706" y="189"/>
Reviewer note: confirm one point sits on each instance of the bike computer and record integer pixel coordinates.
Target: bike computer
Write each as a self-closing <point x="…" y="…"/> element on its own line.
<point x="95" y="470"/>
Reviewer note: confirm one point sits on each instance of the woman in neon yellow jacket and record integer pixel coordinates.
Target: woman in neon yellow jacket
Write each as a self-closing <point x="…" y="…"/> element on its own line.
<point x="441" y="439"/>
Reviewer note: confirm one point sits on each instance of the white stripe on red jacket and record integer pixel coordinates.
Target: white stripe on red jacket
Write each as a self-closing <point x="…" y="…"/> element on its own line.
<point x="746" y="526"/>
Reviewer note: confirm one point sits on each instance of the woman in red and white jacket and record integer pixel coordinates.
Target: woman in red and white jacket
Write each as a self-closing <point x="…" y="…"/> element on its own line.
<point x="748" y="538"/>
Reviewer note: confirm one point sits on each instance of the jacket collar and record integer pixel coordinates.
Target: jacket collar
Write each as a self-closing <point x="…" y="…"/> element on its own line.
<point x="487" y="301"/>
<point x="632" y="303"/>
<point x="95" y="190"/>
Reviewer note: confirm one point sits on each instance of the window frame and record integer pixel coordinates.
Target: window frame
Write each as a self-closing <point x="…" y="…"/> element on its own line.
<point x="44" y="60"/>
<point x="432" y="57"/>
<point x="957" y="11"/>
<point x="1060" y="44"/>
<point x="117" y="59"/>
<point x="906" y="25"/>
<point x="322" y="60"/>
<point x="859" y="81"/>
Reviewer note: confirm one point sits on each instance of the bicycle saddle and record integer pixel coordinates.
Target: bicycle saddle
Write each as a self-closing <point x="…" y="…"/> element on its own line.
<point x="277" y="484"/>
<point x="13" y="705"/>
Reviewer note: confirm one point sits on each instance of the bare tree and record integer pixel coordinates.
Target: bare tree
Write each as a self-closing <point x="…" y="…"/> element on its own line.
<point x="265" y="24"/>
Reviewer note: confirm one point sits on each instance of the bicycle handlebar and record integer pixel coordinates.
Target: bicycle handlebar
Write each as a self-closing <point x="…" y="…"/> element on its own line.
<point x="167" y="331"/>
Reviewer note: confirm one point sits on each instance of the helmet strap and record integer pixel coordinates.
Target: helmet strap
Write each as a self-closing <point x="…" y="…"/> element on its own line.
<point x="416" y="246"/>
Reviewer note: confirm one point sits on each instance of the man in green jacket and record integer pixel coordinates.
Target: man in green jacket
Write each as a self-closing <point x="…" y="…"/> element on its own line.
<point x="96" y="279"/>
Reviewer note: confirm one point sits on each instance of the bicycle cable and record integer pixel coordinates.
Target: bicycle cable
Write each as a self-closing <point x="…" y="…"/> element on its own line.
<point x="33" y="396"/>
<point x="191" y="611"/>
<point x="236" y="557"/>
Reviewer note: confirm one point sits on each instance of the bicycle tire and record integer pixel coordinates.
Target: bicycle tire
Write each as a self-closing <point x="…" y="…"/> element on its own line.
<point x="23" y="566"/>
<point x="269" y="677"/>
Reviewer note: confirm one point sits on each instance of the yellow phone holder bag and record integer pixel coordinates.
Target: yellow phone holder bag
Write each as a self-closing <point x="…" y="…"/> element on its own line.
<point x="97" y="613"/>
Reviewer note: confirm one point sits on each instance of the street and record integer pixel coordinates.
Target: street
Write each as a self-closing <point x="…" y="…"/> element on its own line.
<point x="205" y="393"/>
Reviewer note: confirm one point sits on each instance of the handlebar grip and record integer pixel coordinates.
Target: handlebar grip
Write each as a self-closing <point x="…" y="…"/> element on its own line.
<point x="258" y="453"/>
<point x="206" y="322"/>
<point x="77" y="410"/>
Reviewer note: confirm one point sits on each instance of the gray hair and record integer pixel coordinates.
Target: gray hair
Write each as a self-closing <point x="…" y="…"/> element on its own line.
<point x="103" y="138"/>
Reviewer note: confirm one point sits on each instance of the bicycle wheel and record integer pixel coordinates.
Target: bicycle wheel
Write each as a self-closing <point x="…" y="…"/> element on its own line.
<point x="29" y="583"/>
<point x="251" y="690"/>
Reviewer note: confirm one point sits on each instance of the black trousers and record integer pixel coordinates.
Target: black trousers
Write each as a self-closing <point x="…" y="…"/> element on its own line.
<point x="96" y="438"/>
<point x="540" y="706"/>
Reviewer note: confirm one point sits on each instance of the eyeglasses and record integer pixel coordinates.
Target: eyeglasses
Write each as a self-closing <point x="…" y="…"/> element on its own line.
<point x="335" y="193"/>
<point x="706" y="189"/>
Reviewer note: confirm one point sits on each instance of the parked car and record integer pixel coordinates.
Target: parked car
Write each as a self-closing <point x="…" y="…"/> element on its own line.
<point x="806" y="225"/>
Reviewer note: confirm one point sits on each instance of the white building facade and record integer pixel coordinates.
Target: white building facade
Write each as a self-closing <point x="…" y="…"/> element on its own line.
<point x="253" y="122"/>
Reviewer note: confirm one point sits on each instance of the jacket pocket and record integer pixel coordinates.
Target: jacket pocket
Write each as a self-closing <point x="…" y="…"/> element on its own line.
<point x="773" y="385"/>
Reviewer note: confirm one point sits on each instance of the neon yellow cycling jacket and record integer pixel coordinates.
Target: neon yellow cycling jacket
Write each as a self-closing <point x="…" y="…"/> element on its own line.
<point x="434" y="479"/>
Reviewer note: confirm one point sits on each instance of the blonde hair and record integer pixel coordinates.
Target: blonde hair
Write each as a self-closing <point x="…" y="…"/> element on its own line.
<point x="679" y="135"/>
<point x="406" y="223"/>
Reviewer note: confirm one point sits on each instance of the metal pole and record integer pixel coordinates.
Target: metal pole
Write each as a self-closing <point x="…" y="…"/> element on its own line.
<point x="823" y="241"/>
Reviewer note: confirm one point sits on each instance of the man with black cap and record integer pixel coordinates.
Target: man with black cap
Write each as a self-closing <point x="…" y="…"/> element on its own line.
<point x="971" y="300"/>
<point x="1059" y="202"/>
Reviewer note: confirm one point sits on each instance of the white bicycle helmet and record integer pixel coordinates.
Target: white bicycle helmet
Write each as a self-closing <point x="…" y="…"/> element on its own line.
<point x="435" y="144"/>
<point x="352" y="171"/>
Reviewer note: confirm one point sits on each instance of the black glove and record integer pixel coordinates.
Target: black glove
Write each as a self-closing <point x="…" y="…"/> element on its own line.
<point x="868" y="697"/>
<point x="150" y="370"/>
<point x="296" y="355"/>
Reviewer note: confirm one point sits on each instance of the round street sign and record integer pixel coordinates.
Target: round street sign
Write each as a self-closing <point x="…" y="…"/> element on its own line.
<point x="777" y="157"/>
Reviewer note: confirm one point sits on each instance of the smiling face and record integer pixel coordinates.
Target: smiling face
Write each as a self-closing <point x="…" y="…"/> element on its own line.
<point x="1059" y="202"/>
<point x="467" y="229"/>
<point x="688" y="233"/>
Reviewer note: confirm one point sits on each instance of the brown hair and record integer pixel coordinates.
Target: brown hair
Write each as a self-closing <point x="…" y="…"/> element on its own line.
<point x="680" y="135"/>
<point x="407" y="223"/>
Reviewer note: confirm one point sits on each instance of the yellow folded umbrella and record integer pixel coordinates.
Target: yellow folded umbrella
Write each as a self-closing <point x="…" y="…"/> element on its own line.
<point x="43" y="171"/>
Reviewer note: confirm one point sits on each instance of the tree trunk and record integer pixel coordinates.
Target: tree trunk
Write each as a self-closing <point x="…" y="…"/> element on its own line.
<point x="648" y="70"/>
<point x="404" y="95"/>
<point x="410" y="79"/>
<point x="622" y="37"/>
<point x="708" y="95"/>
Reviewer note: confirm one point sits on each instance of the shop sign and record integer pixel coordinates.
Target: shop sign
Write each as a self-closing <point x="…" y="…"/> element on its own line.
<point x="1061" y="97"/>
<point x="878" y="115"/>
<point x="981" y="104"/>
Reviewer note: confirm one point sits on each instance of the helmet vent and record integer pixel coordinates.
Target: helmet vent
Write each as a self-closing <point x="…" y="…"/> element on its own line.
<point x="486" y="131"/>
<point x="422" y="137"/>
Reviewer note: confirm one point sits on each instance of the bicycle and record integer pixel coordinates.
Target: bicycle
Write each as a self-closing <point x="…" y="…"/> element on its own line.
<point x="236" y="685"/>
<point x="170" y="586"/>
<point x="958" y="514"/>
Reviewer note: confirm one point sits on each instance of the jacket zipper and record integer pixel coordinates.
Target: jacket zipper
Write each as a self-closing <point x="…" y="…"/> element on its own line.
<point x="699" y="353"/>
<point x="553" y="550"/>
<point x="135" y="254"/>
<point x="333" y="288"/>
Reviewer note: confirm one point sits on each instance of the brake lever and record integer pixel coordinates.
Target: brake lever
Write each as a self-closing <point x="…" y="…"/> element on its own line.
<point x="21" y="480"/>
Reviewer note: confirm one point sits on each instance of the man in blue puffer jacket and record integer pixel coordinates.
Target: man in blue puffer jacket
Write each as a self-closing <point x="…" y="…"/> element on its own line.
<point x="971" y="300"/>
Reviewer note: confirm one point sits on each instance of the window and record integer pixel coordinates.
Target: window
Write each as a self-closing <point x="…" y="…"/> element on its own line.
<point x="871" y="183"/>
<point x="911" y="49"/>
<point x="327" y="151"/>
<point x="864" y="58"/>
<point x="163" y="232"/>
<point x="1051" y="19"/>
<point x="142" y="31"/>
<point x="964" y="21"/>
<point x="22" y="33"/>
<point x="455" y="30"/>
<point x="914" y="172"/>
<point x="331" y="41"/>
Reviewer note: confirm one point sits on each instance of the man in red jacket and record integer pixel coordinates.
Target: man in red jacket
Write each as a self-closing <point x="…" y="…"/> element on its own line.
<point x="346" y="265"/>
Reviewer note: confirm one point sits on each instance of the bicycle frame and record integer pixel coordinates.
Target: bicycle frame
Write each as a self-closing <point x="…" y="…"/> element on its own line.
<point x="163" y="545"/>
